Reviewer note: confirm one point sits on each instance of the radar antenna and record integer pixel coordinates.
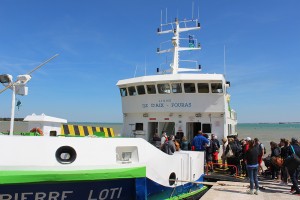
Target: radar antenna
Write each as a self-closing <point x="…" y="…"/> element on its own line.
<point x="176" y="29"/>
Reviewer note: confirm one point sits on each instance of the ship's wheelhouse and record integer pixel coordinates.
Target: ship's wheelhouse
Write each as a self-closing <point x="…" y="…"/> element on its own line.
<point x="214" y="87"/>
<point x="175" y="104"/>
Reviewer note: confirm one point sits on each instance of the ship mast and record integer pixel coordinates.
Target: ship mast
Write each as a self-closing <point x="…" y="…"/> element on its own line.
<point x="189" y="25"/>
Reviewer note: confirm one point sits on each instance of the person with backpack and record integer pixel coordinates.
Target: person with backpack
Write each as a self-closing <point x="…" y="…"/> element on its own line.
<point x="164" y="138"/>
<point x="260" y="147"/>
<point x="209" y="154"/>
<point x="169" y="145"/>
<point x="284" y="144"/>
<point x="275" y="155"/>
<point x="215" y="149"/>
<point x="294" y="148"/>
<point x="232" y="159"/>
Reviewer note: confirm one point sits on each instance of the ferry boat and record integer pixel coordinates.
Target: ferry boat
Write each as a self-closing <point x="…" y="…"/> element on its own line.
<point x="52" y="165"/>
<point x="178" y="101"/>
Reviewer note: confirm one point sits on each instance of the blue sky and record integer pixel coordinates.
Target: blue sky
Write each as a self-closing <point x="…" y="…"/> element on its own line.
<point x="101" y="41"/>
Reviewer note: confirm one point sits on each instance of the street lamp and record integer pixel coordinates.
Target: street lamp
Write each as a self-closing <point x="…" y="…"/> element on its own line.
<point x="18" y="87"/>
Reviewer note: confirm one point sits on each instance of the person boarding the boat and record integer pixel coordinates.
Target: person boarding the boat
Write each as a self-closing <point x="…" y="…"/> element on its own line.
<point x="260" y="147"/>
<point x="224" y="142"/>
<point x="293" y="168"/>
<point x="275" y="156"/>
<point x="156" y="140"/>
<point x="284" y="144"/>
<point x="231" y="153"/>
<point x="215" y="149"/>
<point x="163" y="139"/>
<point x="251" y="159"/>
<point x="185" y="145"/>
<point x="200" y="142"/>
<point x="169" y="145"/>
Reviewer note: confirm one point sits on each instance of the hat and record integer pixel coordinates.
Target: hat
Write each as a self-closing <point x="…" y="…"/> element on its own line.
<point x="247" y="138"/>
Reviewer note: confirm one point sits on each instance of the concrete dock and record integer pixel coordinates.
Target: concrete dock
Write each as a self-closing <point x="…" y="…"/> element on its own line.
<point x="237" y="190"/>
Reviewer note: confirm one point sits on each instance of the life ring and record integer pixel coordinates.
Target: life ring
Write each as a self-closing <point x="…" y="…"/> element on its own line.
<point x="37" y="130"/>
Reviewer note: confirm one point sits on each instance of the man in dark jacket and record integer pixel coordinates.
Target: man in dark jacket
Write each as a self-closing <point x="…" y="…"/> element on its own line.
<point x="292" y="169"/>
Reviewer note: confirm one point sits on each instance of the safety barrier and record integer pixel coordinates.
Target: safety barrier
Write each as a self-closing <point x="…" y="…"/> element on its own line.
<point x="78" y="130"/>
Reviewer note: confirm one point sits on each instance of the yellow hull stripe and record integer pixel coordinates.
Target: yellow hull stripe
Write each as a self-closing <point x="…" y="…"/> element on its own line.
<point x="68" y="129"/>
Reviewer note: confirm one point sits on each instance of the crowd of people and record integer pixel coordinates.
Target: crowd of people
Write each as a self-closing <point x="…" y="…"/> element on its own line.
<point x="242" y="157"/>
<point x="284" y="162"/>
<point x="245" y="158"/>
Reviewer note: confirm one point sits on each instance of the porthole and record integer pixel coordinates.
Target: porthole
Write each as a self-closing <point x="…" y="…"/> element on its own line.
<point x="172" y="178"/>
<point x="65" y="155"/>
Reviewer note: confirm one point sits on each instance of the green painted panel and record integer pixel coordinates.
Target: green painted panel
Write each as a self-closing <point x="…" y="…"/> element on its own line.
<point x="12" y="177"/>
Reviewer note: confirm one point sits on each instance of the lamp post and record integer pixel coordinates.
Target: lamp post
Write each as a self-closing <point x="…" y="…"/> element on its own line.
<point x="12" y="115"/>
<point x="18" y="87"/>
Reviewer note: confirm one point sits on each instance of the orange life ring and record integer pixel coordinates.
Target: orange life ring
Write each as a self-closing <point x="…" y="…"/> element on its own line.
<point x="37" y="130"/>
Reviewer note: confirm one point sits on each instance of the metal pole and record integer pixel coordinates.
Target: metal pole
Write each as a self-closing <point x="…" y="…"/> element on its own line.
<point x="12" y="117"/>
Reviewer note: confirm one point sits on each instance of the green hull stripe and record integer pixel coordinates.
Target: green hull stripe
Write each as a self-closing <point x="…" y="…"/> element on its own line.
<point x="186" y="195"/>
<point x="13" y="177"/>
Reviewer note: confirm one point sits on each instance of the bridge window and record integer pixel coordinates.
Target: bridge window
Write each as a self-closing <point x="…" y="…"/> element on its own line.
<point x="206" y="128"/>
<point x="176" y="88"/>
<point x="151" y="89"/>
<point x="216" y="88"/>
<point x="141" y="89"/>
<point x="164" y="88"/>
<point x="132" y="91"/>
<point x="139" y="126"/>
<point x="189" y="88"/>
<point x="123" y="92"/>
<point x="203" y="88"/>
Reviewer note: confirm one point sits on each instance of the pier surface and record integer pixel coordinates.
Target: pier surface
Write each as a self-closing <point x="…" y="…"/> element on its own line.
<point x="237" y="190"/>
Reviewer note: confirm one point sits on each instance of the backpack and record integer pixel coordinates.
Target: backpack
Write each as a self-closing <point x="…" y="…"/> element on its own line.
<point x="209" y="149"/>
<point x="215" y="147"/>
<point x="262" y="149"/>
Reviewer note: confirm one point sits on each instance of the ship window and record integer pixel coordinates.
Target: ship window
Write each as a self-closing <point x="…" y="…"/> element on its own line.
<point x="206" y="128"/>
<point x="141" y="89"/>
<point x="189" y="88"/>
<point x="151" y="89"/>
<point x="123" y="92"/>
<point x="203" y="88"/>
<point x="216" y="88"/>
<point x="139" y="126"/>
<point x="132" y="91"/>
<point x="176" y="88"/>
<point x="164" y="88"/>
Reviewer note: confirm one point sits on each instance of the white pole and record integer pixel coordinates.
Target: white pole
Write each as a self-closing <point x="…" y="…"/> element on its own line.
<point x="224" y="60"/>
<point x="12" y="117"/>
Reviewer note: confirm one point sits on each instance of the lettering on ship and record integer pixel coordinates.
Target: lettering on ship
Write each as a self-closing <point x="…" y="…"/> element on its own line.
<point x="104" y="194"/>
<point x="167" y="103"/>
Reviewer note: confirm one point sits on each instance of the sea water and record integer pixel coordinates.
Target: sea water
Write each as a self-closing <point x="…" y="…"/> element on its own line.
<point x="269" y="132"/>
